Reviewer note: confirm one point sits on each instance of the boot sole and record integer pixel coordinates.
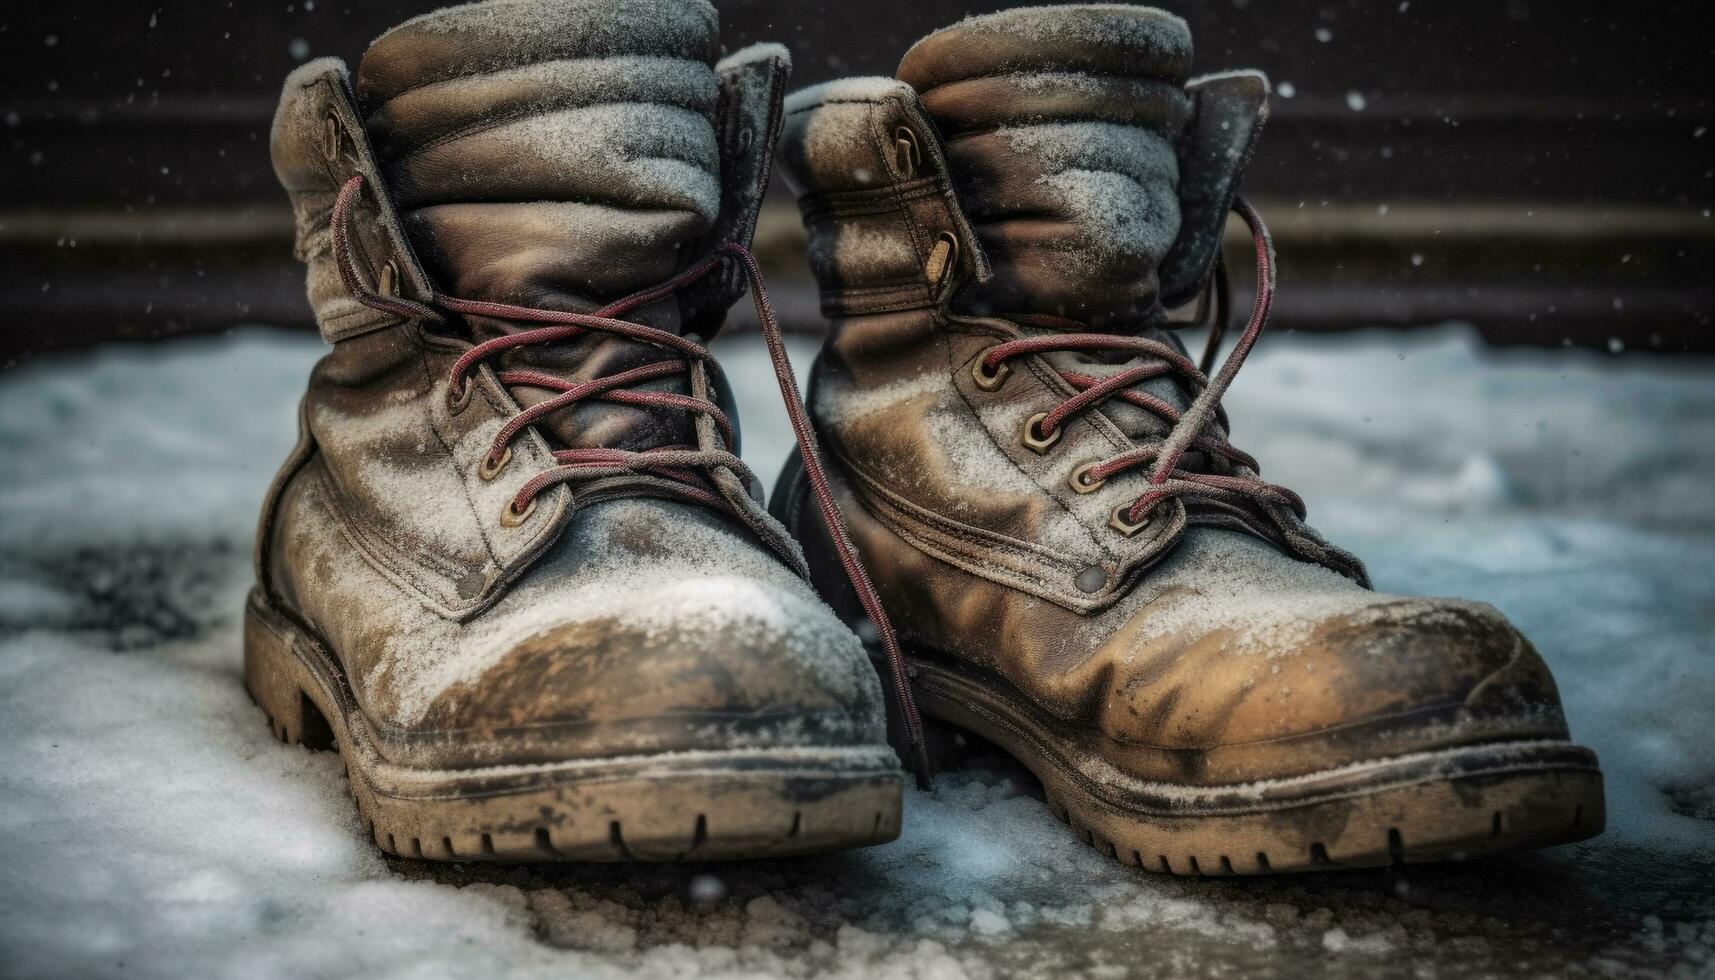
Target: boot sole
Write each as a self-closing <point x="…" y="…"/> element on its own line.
<point x="1432" y="806"/>
<point x="679" y="806"/>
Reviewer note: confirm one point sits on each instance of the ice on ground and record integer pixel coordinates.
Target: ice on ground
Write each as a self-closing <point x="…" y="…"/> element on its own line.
<point x="150" y="826"/>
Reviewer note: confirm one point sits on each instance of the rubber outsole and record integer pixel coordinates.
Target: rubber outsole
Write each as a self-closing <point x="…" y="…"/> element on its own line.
<point x="1432" y="806"/>
<point x="681" y="806"/>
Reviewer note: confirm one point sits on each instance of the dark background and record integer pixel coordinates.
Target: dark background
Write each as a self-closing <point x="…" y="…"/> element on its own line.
<point x="1543" y="169"/>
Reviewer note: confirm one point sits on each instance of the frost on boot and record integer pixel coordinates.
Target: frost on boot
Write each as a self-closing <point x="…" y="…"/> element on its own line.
<point x="545" y="154"/>
<point x="513" y="569"/>
<point x="1042" y="484"/>
<point x="557" y="156"/>
<point x="1097" y="179"/>
<point x="1061" y="129"/>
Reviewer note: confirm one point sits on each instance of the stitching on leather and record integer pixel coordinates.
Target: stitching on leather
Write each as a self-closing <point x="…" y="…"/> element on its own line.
<point x="509" y="562"/>
<point x="1033" y="582"/>
<point x="360" y="311"/>
<point x="1102" y="792"/>
<point x="303" y="453"/>
<point x="919" y="243"/>
<point x="828" y="205"/>
<point x="327" y="668"/>
<point x="369" y="547"/>
<point x="452" y="459"/>
<point x="409" y="566"/>
<point x="837" y="303"/>
<point x="1475" y="726"/>
<point x="955" y="368"/>
<point x="884" y="286"/>
<point x="974" y="536"/>
<point x="319" y="221"/>
<point x="407" y="570"/>
<point x="1129" y="559"/>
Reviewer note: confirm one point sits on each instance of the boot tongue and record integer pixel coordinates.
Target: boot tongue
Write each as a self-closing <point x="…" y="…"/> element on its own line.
<point x="1061" y="125"/>
<point x="557" y="155"/>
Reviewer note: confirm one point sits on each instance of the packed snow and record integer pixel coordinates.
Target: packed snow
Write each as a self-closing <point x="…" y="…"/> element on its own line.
<point x="152" y="827"/>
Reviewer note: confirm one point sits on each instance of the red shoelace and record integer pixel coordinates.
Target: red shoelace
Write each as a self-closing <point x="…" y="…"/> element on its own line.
<point x="680" y="465"/>
<point x="1189" y="429"/>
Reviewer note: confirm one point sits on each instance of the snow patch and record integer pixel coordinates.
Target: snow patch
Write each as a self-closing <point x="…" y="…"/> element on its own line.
<point x="129" y="485"/>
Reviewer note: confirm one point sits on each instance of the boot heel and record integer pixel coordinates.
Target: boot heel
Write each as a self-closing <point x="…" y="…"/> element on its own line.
<point x="276" y="678"/>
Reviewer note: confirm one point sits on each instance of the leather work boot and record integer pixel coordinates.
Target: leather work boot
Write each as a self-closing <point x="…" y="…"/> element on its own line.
<point x="1081" y="566"/>
<point x="514" y="569"/>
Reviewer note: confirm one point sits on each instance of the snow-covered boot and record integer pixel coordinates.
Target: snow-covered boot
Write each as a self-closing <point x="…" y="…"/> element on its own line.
<point x="513" y="569"/>
<point x="1081" y="567"/>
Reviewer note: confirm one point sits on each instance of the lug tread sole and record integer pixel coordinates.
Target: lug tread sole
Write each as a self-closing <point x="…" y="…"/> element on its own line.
<point x="1452" y="805"/>
<point x="695" y="806"/>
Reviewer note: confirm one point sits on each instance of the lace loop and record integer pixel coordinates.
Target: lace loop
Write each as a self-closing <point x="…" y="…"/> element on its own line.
<point x="679" y="464"/>
<point x="1188" y="428"/>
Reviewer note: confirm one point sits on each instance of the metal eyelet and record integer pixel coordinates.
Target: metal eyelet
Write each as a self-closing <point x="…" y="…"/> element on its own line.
<point x="331" y="138"/>
<point x="907" y="156"/>
<point x="513" y="518"/>
<point x="458" y="394"/>
<point x="1033" y="438"/>
<point x="491" y="465"/>
<point x="941" y="258"/>
<point x="986" y="380"/>
<point x="387" y="283"/>
<point x="1079" y="480"/>
<point x="1119" y="522"/>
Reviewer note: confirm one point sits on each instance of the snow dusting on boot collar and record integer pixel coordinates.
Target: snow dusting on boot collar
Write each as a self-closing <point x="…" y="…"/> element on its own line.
<point x="863" y="88"/>
<point x="553" y="21"/>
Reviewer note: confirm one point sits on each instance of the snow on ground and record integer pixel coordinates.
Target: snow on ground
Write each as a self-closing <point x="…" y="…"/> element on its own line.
<point x="150" y="826"/>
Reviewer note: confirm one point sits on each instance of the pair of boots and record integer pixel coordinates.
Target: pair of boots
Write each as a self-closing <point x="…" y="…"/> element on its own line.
<point x="517" y="573"/>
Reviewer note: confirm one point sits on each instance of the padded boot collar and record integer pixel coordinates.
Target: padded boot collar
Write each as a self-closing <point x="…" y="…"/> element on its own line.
<point x="886" y="228"/>
<point x="318" y="142"/>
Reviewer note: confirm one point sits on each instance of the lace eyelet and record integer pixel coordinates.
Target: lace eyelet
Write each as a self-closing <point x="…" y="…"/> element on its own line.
<point x="513" y="518"/>
<point x="941" y="258"/>
<point x="907" y="156"/>
<point x="1033" y="438"/>
<point x="458" y="394"/>
<point x="1119" y="521"/>
<point x="331" y="138"/>
<point x="491" y="465"/>
<point x="387" y="283"/>
<point x="1080" y="482"/>
<point x="986" y="380"/>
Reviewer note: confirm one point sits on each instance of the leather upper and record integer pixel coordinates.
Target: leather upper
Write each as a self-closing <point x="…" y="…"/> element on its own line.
<point x="548" y="154"/>
<point x="1060" y="126"/>
<point x="1096" y="173"/>
<point x="893" y="390"/>
<point x="555" y="154"/>
<point x="1193" y="650"/>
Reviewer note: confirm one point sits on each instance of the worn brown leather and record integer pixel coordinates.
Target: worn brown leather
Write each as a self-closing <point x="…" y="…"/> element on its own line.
<point x="508" y="156"/>
<point x="556" y="156"/>
<point x="1083" y="158"/>
<point x="1213" y="647"/>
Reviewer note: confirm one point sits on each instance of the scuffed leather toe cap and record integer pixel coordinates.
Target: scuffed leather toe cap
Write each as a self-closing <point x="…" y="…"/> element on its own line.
<point x="1401" y="676"/>
<point x="723" y="663"/>
<point x="650" y="627"/>
<point x="1305" y="671"/>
